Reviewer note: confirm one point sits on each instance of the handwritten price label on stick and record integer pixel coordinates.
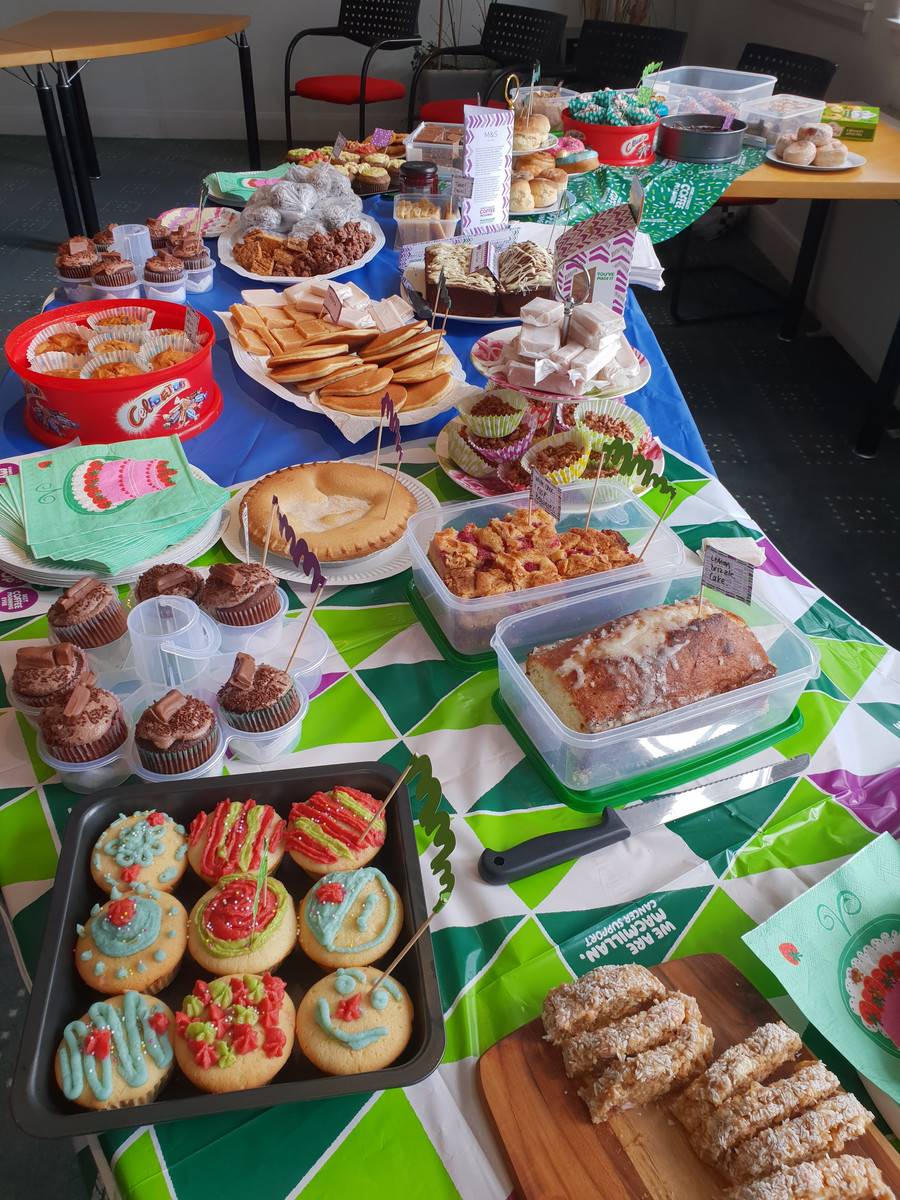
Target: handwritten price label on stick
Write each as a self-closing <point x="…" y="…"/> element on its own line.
<point x="546" y="495"/>
<point x="730" y="576"/>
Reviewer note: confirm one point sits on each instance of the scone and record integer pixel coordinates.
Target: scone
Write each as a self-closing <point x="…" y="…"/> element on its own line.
<point x="325" y="832"/>
<point x="145" y="847"/>
<point x="223" y="935"/>
<point x="230" y="839"/>
<point x="132" y="941"/>
<point x="119" y="1053"/>
<point x="344" y="1029"/>
<point x="350" y="918"/>
<point x="234" y="1033"/>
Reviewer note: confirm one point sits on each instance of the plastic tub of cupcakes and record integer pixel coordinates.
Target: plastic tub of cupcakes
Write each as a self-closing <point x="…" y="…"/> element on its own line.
<point x="177" y="734"/>
<point x="468" y="622"/>
<point x="87" y="740"/>
<point x="263" y="719"/>
<point x="615" y="756"/>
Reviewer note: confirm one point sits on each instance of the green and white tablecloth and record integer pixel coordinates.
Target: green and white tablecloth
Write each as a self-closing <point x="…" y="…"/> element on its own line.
<point x="707" y="878"/>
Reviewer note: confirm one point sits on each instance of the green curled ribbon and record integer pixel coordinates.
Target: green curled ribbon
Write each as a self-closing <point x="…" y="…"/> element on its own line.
<point x="622" y="457"/>
<point x="435" y="823"/>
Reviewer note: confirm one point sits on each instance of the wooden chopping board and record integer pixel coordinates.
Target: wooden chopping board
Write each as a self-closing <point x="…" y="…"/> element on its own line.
<point x="557" y="1154"/>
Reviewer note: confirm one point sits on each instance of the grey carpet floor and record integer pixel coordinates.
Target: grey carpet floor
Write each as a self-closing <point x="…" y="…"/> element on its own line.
<point x="775" y="417"/>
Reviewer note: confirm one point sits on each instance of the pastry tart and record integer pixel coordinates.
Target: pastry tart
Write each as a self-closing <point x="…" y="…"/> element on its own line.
<point x="338" y="507"/>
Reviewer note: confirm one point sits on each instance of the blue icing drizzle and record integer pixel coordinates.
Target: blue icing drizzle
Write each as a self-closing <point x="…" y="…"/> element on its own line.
<point x="167" y="875"/>
<point x="141" y="966"/>
<point x="99" y="968"/>
<point x="95" y="908"/>
<point x="140" y="932"/>
<point x="346" y="980"/>
<point x="170" y="933"/>
<point x="86" y="955"/>
<point x="138" y="845"/>
<point x="325" y="920"/>
<point x="132" y="1036"/>
<point x="96" y="862"/>
<point x="386" y="988"/>
<point x="79" y="929"/>
<point x="362" y="921"/>
<point x="180" y="829"/>
<point x="159" y="956"/>
<point x="354" y="1041"/>
<point x="181" y="851"/>
<point x="173" y="911"/>
<point x="115" y="894"/>
<point x="139" y="887"/>
<point x="122" y="973"/>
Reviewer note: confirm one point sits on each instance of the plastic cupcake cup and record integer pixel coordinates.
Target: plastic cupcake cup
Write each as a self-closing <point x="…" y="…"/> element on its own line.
<point x="56" y="360"/>
<point x="265" y="609"/>
<point x="195" y="758"/>
<point x="465" y="457"/>
<point x="264" y="720"/>
<point x="200" y="278"/>
<point x="263" y="747"/>
<point x="77" y="290"/>
<point x="103" y="628"/>
<point x="494" y="426"/>
<point x="84" y="778"/>
<point x="614" y="408"/>
<point x="174" y="292"/>
<point x="119" y="291"/>
<point x="47" y="332"/>
<point x="510" y="451"/>
<point x="568" y="474"/>
<point x="89" y="752"/>
<point x="135" y="314"/>
<point x="98" y="360"/>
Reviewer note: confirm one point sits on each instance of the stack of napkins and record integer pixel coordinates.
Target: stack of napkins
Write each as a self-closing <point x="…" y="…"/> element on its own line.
<point x="241" y="185"/>
<point x="104" y="508"/>
<point x="646" y="268"/>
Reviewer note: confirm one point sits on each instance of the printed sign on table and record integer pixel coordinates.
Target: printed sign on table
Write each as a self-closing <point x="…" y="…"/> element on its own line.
<point x="603" y="246"/>
<point x="487" y="159"/>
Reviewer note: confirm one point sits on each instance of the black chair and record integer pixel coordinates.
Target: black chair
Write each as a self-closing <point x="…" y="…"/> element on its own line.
<point x="378" y="24"/>
<point x="611" y="54"/>
<point x="797" y="75"/>
<point x="515" y="38"/>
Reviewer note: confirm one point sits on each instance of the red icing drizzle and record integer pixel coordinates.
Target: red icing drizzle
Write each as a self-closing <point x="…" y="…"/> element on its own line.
<point x="228" y="915"/>
<point x="215" y="864"/>
<point x="336" y="821"/>
<point x="330" y="893"/>
<point x="348" y="1009"/>
<point x="130" y="874"/>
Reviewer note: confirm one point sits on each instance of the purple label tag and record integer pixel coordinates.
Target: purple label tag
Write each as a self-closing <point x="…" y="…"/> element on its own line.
<point x="546" y="495"/>
<point x="483" y="257"/>
<point x="332" y="305"/>
<point x="389" y="414"/>
<point x="191" y="324"/>
<point x="730" y="576"/>
<point x="382" y="137"/>
<point x="299" y="552"/>
<point x="340" y="143"/>
<point x="7" y="469"/>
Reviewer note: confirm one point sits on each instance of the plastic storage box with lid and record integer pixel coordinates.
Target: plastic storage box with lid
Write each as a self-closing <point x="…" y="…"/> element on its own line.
<point x="773" y="116"/>
<point x="548" y="102"/>
<point x="468" y="624"/>
<point x="448" y="154"/>
<point x="424" y="217"/>
<point x="709" y="89"/>
<point x="589" y="761"/>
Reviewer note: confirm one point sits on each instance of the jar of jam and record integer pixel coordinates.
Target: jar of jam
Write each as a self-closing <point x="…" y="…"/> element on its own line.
<point x="419" y="177"/>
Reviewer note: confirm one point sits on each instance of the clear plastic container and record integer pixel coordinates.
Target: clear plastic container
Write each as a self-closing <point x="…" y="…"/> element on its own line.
<point x="446" y="154"/>
<point x="212" y="766"/>
<point x="585" y="761"/>
<point x="548" y="102"/>
<point x="99" y="775"/>
<point x="771" y="117"/>
<point x="428" y="217"/>
<point x="264" y="747"/>
<point x="469" y="623"/>
<point x="254" y="639"/>
<point x="310" y="657"/>
<point x="127" y="291"/>
<point x="710" y="89"/>
<point x="77" y="290"/>
<point x="200" y="279"/>
<point x="174" y="291"/>
<point x="172" y="639"/>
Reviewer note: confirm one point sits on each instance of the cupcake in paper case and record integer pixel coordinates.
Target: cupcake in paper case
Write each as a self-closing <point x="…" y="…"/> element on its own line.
<point x="88" y="614"/>
<point x="128" y="340"/>
<point x="88" y="726"/>
<point x="226" y="935"/>
<point x="47" y="675"/>
<point x="115" y="318"/>
<point x="114" y="271"/>
<point x="255" y="698"/>
<point x="163" y="350"/>
<point x="118" y="1054"/>
<point x="63" y="366"/>
<point x="136" y="939"/>
<point x="240" y="594"/>
<point x="190" y="251"/>
<point x="119" y="364"/>
<point x="159" y="235"/>
<point x="607" y="419"/>
<point x="495" y="414"/>
<point x="464" y="455"/>
<point x="176" y="733"/>
<point x="100" y="484"/>
<point x="62" y="337"/>
<point x="76" y="258"/>
<point x="168" y="579"/>
<point x="561" y="458"/>
<point x="498" y="450"/>
<point x="103" y="239"/>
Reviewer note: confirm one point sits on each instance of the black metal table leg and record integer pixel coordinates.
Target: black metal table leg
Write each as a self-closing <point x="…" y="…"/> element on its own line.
<point x="84" y="121"/>
<point x="881" y="398"/>
<point x="57" y="148"/>
<point x="76" y="150"/>
<point x="243" y="49"/>
<point x="806" y="261"/>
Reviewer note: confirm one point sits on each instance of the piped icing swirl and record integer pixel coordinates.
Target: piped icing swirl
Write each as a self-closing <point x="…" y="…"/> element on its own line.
<point x="223" y="1020"/>
<point x="223" y="917"/>
<point x="328" y="826"/>
<point x="115" y="1038"/>
<point x="235" y="836"/>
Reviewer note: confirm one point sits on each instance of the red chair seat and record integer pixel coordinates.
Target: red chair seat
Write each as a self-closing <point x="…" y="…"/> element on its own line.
<point x="345" y="89"/>
<point x="450" y="110"/>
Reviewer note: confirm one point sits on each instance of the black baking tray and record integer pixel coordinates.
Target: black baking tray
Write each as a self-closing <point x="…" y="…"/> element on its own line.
<point x="59" y="995"/>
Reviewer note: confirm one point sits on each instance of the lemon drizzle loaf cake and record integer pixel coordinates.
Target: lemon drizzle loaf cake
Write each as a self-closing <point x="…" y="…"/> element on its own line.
<point x="646" y="663"/>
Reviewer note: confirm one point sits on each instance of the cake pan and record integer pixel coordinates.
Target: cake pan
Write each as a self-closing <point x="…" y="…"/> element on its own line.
<point x="700" y="138"/>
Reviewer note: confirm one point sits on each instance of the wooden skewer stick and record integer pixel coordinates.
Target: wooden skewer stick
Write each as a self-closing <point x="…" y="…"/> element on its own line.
<point x="594" y="493"/>
<point x="662" y="517"/>
<point x="409" y="945"/>
<point x="306" y="621"/>
<point x="265" y="553"/>
<point x="442" y="334"/>
<point x="245" y="524"/>
<point x="385" y="802"/>
<point x="391" y="493"/>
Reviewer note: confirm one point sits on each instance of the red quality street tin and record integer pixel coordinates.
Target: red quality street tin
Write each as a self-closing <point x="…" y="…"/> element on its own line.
<point x="182" y="399"/>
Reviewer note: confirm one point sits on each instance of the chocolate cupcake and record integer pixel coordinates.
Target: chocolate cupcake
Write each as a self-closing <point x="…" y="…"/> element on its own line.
<point x="76" y="258"/>
<point x="159" y="235"/>
<point x="177" y="733"/>
<point x="258" y="698"/>
<point x="191" y="251"/>
<point x="88" y="614"/>
<point x="163" y="267"/>
<point x="114" y="271"/>
<point x="168" y="579"/>
<point x="88" y="726"/>
<point x="104" y="239"/>
<point x="47" y="675"/>
<point x="240" y="594"/>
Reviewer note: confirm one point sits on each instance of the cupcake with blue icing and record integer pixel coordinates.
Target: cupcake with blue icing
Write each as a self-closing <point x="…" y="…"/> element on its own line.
<point x="134" y="942"/>
<point x="350" y="918"/>
<point x="118" y="1054"/>
<point x="145" y="847"/>
<point x="346" y="1025"/>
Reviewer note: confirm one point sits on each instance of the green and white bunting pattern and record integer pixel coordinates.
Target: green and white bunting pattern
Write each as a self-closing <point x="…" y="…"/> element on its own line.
<point x="698" y="884"/>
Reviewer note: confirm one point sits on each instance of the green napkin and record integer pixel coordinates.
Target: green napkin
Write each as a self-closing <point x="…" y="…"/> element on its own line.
<point x="233" y="183"/>
<point x="109" y="505"/>
<point x="836" y="949"/>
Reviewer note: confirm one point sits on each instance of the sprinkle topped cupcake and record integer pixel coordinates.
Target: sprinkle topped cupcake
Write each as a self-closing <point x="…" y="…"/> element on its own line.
<point x="143" y="849"/>
<point x="325" y="832"/>
<point x="88" y="614"/>
<point x="76" y="258"/>
<point x="163" y="267"/>
<point x="177" y="733"/>
<point x="168" y="579"/>
<point x="225" y="936"/>
<point x="88" y="726"/>
<point x="258" y="698"/>
<point x="132" y="941"/>
<point x="230" y="839"/>
<point x="47" y="675"/>
<point x="240" y="594"/>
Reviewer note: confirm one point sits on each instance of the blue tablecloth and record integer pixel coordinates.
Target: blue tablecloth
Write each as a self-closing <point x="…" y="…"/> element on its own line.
<point x="258" y="432"/>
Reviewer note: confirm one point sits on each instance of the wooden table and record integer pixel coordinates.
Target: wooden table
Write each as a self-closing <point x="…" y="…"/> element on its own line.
<point x="879" y="179"/>
<point x="79" y="36"/>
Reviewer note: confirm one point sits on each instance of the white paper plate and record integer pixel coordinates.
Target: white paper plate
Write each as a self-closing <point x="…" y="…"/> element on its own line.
<point x="228" y="239"/>
<point x="19" y="563"/>
<point x="415" y="274"/>
<point x="369" y="569"/>
<point x="533" y="212"/>
<point x="551" y="141"/>
<point x="494" y="370"/>
<point x="852" y="161"/>
<point x="213" y="221"/>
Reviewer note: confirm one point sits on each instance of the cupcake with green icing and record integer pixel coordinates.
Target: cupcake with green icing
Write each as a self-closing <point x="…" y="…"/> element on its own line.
<point x="350" y="918"/>
<point x="135" y="941"/>
<point x="231" y="930"/>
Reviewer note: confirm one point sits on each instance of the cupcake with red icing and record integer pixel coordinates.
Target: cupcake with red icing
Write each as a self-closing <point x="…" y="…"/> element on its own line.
<point x="256" y="699"/>
<point x="235" y="1032"/>
<point x="224" y="935"/>
<point x="335" y="831"/>
<point x="47" y="675"/>
<point x="88" y="726"/>
<point x="240" y="594"/>
<point x="176" y="733"/>
<point x="232" y="838"/>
